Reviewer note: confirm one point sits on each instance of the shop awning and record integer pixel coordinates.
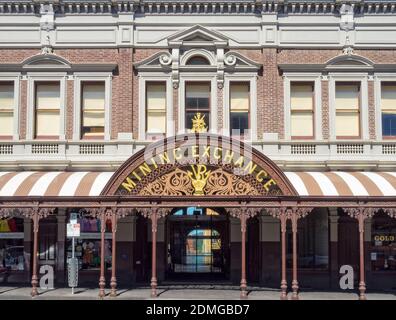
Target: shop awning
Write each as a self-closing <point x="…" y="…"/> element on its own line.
<point x="337" y="183"/>
<point x="41" y="183"/>
<point x="333" y="183"/>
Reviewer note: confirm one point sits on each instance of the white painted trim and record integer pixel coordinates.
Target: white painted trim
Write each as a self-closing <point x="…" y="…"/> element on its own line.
<point x="91" y="76"/>
<point x="252" y="79"/>
<point x="301" y="77"/>
<point x="350" y="77"/>
<point x="30" y="117"/>
<point x="15" y="78"/>
<point x="378" y="79"/>
<point x="155" y="77"/>
<point x="198" y="77"/>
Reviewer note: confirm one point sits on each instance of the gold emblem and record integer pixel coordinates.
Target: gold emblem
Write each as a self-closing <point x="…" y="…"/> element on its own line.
<point x="199" y="176"/>
<point x="198" y="123"/>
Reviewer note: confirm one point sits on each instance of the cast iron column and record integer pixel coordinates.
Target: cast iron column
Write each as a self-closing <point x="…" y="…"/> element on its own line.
<point x="113" y="280"/>
<point x="35" y="218"/>
<point x="294" y="219"/>
<point x="243" y="217"/>
<point x="283" y="221"/>
<point x="154" y="220"/>
<point x="361" y="213"/>
<point x="102" y="279"/>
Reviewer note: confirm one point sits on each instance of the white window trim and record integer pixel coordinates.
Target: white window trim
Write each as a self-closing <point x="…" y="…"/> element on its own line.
<point x="354" y="77"/>
<point x="308" y="77"/>
<point x="202" y="77"/>
<point x="378" y="79"/>
<point x="152" y="77"/>
<point x="252" y="80"/>
<point x="39" y="77"/>
<point x="14" y="77"/>
<point x="82" y="77"/>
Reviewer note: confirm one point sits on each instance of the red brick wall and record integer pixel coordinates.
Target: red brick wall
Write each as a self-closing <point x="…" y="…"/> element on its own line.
<point x="325" y="109"/>
<point x="69" y="108"/>
<point x="125" y="95"/>
<point x="23" y="109"/>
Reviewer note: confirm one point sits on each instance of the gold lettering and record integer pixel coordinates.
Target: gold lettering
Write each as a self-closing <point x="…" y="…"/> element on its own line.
<point x="136" y="175"/>
<point x="164" y="158"/>
<point x="129" y="184"/>
<point x="194" y="150"/>
<point x="176" y="154"/>
<point x="269" y="183"/>
<point x="250" y="167"/>
<point x="261" y="173"/>
<point x="144" y="168"/>
<point x="239" y="162"/>
<point x="206" y="152"/>
<point x="217" y="153"/>
<point x="154" y="163"/>
<point x="229" y="156"/>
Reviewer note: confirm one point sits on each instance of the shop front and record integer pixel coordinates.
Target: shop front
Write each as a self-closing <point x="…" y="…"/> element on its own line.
<point x="200" y="208"/>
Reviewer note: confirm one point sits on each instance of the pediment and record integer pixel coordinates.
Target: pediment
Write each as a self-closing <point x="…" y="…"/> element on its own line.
<point x="349" y="61"/>
<point x="47" y="61"/>
<point x="159" y="60"/>
<point x="236" y="60"/>
<point x="198" y="35"/>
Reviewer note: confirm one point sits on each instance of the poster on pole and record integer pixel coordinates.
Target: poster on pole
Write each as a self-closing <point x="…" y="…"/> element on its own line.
<point x="73" y="230"/>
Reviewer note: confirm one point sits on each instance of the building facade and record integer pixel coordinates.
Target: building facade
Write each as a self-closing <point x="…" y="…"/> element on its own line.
<point x="242" y="142"/>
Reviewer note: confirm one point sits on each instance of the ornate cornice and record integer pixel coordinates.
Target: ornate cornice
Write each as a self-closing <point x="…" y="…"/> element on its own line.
<point x="61" y="7"/>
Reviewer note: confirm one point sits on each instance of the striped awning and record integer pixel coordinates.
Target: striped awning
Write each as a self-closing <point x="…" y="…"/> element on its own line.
<point x="337" y="183"/>
<point x="333" y="183"/>
<point x="55" y="183"/>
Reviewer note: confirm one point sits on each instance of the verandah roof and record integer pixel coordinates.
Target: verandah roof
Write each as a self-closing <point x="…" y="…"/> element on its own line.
<point x="333" y="183"/>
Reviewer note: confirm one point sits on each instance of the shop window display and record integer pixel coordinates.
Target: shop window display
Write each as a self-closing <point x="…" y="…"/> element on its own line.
<point x="11" y="245"/>
<point x="87" y="246"/>
<point x="383" y="243"/>
<point x="312" y="242"/>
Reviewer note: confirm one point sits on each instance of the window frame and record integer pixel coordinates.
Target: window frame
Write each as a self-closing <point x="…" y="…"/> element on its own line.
<point x="34" y="77"/>
<point x="82" y="134"/>
<point x="186" y="108"/>
<point x="240" y="82"/>
<point x="359" y="112"/>
<point x="15" y="80"/>
<point x="304" y="83"/>
<point x="147" y="83"/>
<point x="384" y="83"/>
<point x="35" y="104"/>
<point x="80" y="77"/>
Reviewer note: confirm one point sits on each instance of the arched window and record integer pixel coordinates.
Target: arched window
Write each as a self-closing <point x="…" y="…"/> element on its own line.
<point x="197" y="61"/>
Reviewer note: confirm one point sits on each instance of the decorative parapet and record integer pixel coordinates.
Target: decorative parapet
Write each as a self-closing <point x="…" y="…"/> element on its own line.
<point x="196" y="7"/>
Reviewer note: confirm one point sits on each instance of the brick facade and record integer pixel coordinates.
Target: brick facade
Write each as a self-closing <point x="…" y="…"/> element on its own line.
<point x="125" y="85"/>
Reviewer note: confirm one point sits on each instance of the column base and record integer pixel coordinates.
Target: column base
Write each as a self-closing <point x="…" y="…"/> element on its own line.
<point x="102" y="284"/>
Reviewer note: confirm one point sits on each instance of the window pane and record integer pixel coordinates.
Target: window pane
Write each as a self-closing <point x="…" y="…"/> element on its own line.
<point x="156" y="107"/>
<point x="239" y="97"/>
<point x="190" y="116"/>
<point x="6" y="95"/>
<point x="156" y="122"/>
<point x="48" y="96"/>
<point x="239" y="121"/>
<point x="301" y="124"/>
<point x="93" y="108"/>
<point x="93" y="96"/>
<point x="156" y="96"/>
<point x="301" y="97"/>
<point x="389" y="124"/>
<point x="347" y="96"/>
<point x="388" y="97"/>
<point x="197" y="96"/>
<point x="347" y="124"/>
<point x="47" y="123"/>
<point x="6" y="123"/>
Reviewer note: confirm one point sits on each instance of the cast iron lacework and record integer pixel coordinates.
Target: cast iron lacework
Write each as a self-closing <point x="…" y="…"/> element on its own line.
<point x="170" y="181"/>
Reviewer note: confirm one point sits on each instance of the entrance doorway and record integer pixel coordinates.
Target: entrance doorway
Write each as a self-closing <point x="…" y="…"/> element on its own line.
<point x="197" y="244"/>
